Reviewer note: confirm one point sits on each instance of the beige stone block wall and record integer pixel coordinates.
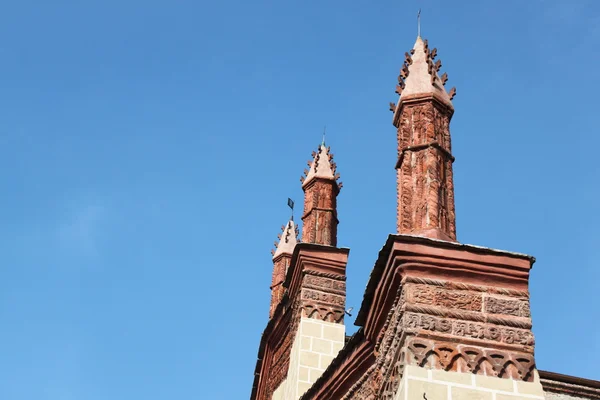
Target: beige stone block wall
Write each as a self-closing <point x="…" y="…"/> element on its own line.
<point x="315" y="345"/>
<point x="279" y="393"/>
<point x="422" y="383"/>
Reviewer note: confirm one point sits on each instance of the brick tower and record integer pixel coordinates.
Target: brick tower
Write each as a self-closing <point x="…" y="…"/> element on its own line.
<point x="439" y="320"/>
<point x="422" y="119"/>
<point x="306" y="327"/>
<point x="320" y="199"/>
<point x="282" y="256"/>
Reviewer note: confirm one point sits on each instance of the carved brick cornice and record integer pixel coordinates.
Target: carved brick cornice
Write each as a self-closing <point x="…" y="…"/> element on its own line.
<point x="318" y="179"/>
<point x="417" y="258"/>
<point x="434" y="98"/>
<point x="331" y="275"/>
<point x="465" y="286"/>
<point x="314" y="259"/>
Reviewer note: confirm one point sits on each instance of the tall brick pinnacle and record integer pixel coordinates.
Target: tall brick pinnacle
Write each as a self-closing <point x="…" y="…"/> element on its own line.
<point x="281" y="260"/>
<point x="424" y="169"/>
<point x="320" y="199"/>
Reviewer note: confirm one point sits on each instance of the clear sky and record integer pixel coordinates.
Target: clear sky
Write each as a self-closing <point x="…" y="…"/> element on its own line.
<point x="147" y="150"/>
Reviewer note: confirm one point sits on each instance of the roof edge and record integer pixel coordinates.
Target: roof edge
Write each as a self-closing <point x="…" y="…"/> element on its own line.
<point x="384" y="253"/>
<point x="567" y="379"/>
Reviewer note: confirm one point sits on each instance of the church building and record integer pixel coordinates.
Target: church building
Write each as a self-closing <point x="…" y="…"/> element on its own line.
<point x="439" y="320"/>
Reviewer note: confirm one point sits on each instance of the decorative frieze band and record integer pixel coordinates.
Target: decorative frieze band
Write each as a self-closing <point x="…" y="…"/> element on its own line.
<point x="468" y="329"/>
<point x="517" y="308"/>
<point x="325" y="284"/>
<point x="325" y="275"/>
<point x="322" y="313"/>
<point x="323" y="297"/>
<point x="454" y="299"/>
<point x="467" y="300"/>
<point x="477" y="360"/>
<point x="465" y="286"/>
<point x="523" y="323"/>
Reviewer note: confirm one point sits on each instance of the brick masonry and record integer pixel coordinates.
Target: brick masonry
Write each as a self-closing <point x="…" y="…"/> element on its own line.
<point x="439" y="320"/>
<point x="321" y="188"/>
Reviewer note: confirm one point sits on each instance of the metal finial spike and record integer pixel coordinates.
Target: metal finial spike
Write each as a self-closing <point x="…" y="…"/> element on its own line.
<point x="324" y="132"/>
<point x="419" y="23"/>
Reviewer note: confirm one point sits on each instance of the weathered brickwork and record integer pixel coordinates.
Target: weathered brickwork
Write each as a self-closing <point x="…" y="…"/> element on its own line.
<point x="425" y="182"/>
<point x="456" y="299"/>
<point x="282" y="256"/>
<point x="444" y="325"/>
<point x="321" y="188"/>
<point x="324" y="297"/>
<point x="439" y="320"/>
<point x="319" y="218"/>
<point x="277" y="290"/>
<point x="279" y="357"/>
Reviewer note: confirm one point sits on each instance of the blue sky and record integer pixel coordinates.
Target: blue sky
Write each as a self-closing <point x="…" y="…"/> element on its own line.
<point x="147" y="150"/>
